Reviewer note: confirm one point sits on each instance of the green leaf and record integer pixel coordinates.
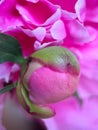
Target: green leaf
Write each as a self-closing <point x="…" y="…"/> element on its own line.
<point x="10" y="49"/>
<point x="7" y="88"/>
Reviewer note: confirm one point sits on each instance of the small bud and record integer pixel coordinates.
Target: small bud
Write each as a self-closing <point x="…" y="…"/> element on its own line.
<point x="51" y="76"/>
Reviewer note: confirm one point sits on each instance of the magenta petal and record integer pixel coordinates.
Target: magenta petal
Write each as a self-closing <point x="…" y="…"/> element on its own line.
<point x="65" y="4"/>
<point x="30" y="11"/>
<point x="26" y="42"/>
<point x="9" y="16"/>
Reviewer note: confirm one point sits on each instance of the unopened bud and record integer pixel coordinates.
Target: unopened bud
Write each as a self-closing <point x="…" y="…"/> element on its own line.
<point x="52" y="75"/>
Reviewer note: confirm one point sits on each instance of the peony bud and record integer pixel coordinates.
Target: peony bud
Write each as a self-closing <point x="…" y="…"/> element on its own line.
<point x="51" y="76"/>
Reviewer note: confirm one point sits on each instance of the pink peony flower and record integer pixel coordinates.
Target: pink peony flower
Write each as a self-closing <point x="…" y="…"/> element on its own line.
<point x="36" y="29"/>
<point x="41" y="23"/>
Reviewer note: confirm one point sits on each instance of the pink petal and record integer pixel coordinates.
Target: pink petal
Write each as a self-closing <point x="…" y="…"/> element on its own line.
<point x="39" y="33"/>
<point x="65" y="4"/>
<point x="75" y="33"/>
<point x="8" y="11"/>
<point x="71" y="116"/>
<point x="58" y="30"/>
<point x="26" y="42"/>
<point x="80" y="8"/>
<point x="88" y="86"/>
<point x="5" y="70"/>
<point x="56" y="16"/>
<point x="87" y="10"/>
<point x="30" y="11"/>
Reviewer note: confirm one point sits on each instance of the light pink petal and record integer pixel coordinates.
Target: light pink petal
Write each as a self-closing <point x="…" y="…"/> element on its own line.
<point x="39" y="33"/>
<point x="5" y="70"/>
<point x="72" y="116"/>
<point x="15" y="73"/>
<point x="66" y="15"/>
<point x="77" y="33"/>
<point x="51" y="124"/>
<point x="58" y="31"/>
<point x="80" y="8"/>
<point x="38" y="45"/>
<point x="93" y="32"/>
<point x="87" y="10"/>
<point x="2" y="1"/>
<point x="88" y="86"/>
<point x="9" y="72"/>
<point x="67" y="111"/>
<point x="90" y="53"/>
<point x="34" y="1"/>
<point x="24" y="13"/>
<point x="86" y="53"/>
<point x="90" y="107"/>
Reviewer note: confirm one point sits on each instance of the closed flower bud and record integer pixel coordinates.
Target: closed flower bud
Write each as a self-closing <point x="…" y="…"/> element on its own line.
<point x="51" y="75"/>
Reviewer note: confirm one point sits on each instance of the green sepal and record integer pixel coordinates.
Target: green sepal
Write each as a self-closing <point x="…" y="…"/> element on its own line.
<point x="36" y="110"/>
<point x="10" y="49"/>
<point x="58" y="58"/>
<point x="7" y="88"/>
